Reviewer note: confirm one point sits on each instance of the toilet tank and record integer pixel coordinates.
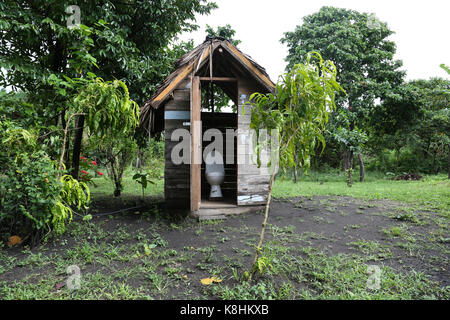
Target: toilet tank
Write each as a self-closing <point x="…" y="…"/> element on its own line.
<point x="214" y="162"/>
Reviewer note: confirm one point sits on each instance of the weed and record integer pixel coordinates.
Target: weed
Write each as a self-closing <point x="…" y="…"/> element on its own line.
<point x="395" y="232"/>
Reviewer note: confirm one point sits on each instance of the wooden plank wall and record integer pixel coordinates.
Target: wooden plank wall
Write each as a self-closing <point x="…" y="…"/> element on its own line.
<point x="177" y="177"/>
<point x="253" y="182"/>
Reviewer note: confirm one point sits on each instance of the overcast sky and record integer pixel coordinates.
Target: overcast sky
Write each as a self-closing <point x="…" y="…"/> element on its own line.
<point x="422" y="29"/>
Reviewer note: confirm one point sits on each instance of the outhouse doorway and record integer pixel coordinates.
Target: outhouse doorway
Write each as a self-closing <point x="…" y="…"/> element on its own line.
<point x="218" y="123"/>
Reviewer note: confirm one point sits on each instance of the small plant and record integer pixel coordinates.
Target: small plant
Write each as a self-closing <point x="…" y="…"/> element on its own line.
<point x="264" y="263"/>
<point x="143" y="180"/>
<point x="407" y="217"/>
<point x="394" y="232"/>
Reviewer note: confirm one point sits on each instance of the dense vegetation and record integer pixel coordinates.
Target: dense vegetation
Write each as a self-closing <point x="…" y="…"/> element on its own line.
<point x="63" y="110"/>
<point x="395" y="125"/>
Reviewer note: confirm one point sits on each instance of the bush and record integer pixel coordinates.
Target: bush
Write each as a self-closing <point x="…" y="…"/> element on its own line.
<point x="153" y="151"/>
<point x="407" y="160"/>
<point x="33" y="200"/>
<point x="29" y="190"/>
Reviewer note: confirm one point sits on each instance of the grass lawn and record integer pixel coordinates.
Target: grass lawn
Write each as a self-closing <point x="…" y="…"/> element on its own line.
<point x="104" y="187"/>
<point x="432" y="192"/>
<point x="380" y="239"/>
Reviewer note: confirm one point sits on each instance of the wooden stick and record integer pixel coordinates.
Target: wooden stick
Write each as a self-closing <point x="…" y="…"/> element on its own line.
<point x="263" y="226"/>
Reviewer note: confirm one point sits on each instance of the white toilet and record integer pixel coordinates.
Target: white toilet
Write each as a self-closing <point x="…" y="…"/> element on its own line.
<point x="214" y="173"/>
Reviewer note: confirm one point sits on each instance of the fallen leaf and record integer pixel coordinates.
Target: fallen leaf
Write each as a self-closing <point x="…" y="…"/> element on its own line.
<point x="13" y="240"/>
<point x="214" y="279"/>
<point x="59" y="285"/>
<point x="206" y="281"/>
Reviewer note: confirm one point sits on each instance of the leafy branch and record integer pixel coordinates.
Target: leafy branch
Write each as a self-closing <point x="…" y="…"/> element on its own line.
<point x="297" y="113"/>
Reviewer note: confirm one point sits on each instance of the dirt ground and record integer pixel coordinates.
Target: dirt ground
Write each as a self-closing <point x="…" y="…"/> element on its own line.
<point x="165" y="258"/>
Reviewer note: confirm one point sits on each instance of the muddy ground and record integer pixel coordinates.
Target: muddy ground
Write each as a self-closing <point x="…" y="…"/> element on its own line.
<point x="152" y="256"/>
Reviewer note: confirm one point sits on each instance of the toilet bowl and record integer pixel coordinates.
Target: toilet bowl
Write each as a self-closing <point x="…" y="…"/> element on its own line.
<point x="214" y="173"/>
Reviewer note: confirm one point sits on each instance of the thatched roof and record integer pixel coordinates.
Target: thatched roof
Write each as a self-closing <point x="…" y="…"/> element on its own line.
<point x="230" y="59"/>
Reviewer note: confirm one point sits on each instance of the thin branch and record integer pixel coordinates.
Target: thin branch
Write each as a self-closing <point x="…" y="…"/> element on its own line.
<point x="64" y="141"/>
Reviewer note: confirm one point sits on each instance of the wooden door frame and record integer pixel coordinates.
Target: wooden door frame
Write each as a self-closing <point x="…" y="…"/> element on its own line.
<point x="196" y="144"/>
<point x="196" y="137"/>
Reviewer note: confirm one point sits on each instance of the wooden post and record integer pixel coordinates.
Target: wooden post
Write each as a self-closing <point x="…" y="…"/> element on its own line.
<point x="196" y="144"/>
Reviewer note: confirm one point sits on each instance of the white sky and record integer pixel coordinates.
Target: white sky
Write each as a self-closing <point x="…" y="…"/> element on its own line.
<point x="422" y="29"/>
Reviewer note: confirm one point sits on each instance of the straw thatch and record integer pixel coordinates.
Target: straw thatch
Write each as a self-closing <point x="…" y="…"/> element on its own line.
<point x="196" y="62"/>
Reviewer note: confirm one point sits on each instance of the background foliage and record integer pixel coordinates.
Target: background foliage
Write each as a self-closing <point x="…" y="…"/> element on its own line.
<point x="397" y="125"/>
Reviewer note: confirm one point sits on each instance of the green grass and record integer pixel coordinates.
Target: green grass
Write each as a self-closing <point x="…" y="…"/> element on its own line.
<point x="432" y="192"/>
<point x="320" y="276"/>
<point x="104" y="186"/>
<point x="122" y="262"/>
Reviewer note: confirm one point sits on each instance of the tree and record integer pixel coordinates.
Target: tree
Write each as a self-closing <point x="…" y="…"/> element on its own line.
<point x="364" y="56"/>
<point x="297" y="113"/>
<point x="119" y="153"/>
<point x="107" y="112"/>
<point x="130" y="40"/>
<point x="392" y="121"/>
<point x="413" y="120"/>
<point x="134" y="42"/>
<point x="34" y="198"/>
<point x="447" y="69"/>
<point x="433" y="127"/>
<point x="352" y="140"/>
<point x="226" y="32"/>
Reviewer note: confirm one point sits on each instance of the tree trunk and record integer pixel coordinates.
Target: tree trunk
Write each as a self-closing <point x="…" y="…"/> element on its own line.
<point x="435" y="166"/>
<point x="139" y="161"/>
<point x="350" y="160"/>
<point x="77" y="146"/>
<point x="397" y="159"/>
<point x="448" y="161"/>
<point x="361" y="168"/>
<point x="296" y="165"/>
<point x="66" y="147"/>
<point x="345" y="160"/>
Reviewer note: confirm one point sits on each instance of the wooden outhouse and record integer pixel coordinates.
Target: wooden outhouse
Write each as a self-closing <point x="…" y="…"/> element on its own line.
<point x="177" y="104"/>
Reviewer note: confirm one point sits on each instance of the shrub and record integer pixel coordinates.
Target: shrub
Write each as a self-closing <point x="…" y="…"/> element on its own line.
<point x="33" y="199"/>
<point x="87" y="166"/>
<point x="29" y="190"/>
